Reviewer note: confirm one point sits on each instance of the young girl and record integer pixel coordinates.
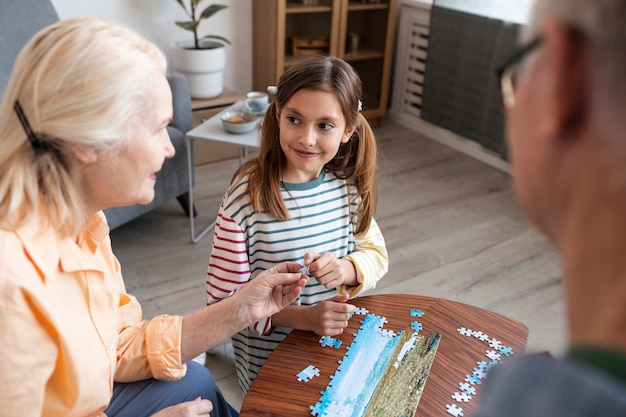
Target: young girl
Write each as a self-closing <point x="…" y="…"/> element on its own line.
<point x="309" y="197"/>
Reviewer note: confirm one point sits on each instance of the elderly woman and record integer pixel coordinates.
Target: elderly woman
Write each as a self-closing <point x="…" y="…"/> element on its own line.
<point x="82" y="128"/>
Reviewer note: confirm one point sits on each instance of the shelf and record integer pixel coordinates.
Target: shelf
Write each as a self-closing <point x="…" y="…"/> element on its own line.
<point x="354" y="6"/>
<point x="277" y="22"/>
<point x="363" y="55"/>
<point x="300" y="8"/>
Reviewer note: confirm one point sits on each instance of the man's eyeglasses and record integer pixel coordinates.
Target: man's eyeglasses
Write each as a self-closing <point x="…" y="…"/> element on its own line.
<point x="509" y="70"/>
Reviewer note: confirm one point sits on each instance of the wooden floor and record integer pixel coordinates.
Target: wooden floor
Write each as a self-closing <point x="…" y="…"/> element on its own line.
<point x="451" y="225"/>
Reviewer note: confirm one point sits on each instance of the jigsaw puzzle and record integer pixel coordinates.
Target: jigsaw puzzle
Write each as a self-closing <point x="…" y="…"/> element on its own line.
<point x="392" y="368"/>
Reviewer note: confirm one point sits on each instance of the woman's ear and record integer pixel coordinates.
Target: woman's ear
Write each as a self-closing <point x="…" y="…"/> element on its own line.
<point x="85" y="154"/>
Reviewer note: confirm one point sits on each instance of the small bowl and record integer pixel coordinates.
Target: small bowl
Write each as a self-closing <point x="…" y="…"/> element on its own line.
<point x="239" y="121"/>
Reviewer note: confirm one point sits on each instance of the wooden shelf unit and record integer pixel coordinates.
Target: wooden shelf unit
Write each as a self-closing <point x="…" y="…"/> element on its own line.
<point x="275" y="22"/>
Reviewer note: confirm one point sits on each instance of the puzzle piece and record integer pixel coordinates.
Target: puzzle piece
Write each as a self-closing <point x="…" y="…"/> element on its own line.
<point x="387" y="333"/>
<point x="461" y="397"/>
<point x="483" y="337"/>
<point x="304" y="270"/>
<point x="472" y="379"/>
<point x="506" y="351"/>
<point x="496" y="344"/>
<point x="307" y="373"/>
<point x="454" y="410"/>
<point x="329" y="341"/>
<point x="417" y="313"/>
<point x="493" y="355"/>
<point x="479" y="372"/>
<point x="361" y="311"/>
<point x="482" y="365"/>
<point x="467" y="388"/>
<point x="464" y="331"/>
<point x="416" y="326"/>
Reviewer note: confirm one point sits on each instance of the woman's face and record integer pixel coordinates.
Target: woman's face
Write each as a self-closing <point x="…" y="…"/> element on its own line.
<point x="126" y="175"/>
<point x="312" y="127"/>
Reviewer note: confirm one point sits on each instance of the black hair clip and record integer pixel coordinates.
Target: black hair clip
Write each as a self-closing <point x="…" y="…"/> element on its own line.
<point x="35" y="139"/>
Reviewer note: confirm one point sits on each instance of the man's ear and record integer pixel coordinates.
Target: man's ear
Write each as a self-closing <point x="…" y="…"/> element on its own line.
<point x="568" y="79"/>
<point x="85" y="154"/>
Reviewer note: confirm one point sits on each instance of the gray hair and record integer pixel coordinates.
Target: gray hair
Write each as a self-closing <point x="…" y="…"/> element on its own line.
<point x="603" y="24"/>
<point x="81" y="83"/>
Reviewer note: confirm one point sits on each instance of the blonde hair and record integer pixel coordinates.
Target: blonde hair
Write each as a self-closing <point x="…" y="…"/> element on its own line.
<point x="355" y="160"/>
<point x="603" y="25"/>
<point x="81" y="83"/>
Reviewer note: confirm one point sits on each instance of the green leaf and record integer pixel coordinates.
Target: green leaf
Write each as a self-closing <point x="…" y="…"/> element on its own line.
<point x="188" y="25"/>
<point x="211" y="10"/>
<point x="217" y="37"/>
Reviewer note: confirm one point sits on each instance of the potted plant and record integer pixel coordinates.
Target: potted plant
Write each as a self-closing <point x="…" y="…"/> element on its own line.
<point x="201" y="60"/>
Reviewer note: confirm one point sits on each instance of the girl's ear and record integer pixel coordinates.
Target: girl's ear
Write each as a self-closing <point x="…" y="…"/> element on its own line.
<point x="347" y="135"/>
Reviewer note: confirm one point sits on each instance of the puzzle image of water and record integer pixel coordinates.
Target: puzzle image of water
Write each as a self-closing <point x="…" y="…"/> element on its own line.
<point x="375" y="352"/>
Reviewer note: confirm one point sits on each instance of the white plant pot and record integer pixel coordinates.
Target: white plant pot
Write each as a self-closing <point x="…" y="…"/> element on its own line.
<point x="203" y="68"/>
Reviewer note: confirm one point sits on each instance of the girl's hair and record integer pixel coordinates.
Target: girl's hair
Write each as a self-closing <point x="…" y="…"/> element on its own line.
<point x="81" y="83"/>
<point x="356" y="159"/>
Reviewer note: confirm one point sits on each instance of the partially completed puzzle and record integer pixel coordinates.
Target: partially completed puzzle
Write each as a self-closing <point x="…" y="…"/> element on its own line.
<point x="392" y="368"/>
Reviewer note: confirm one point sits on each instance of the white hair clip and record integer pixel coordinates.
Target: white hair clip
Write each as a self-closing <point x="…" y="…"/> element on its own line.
<point x="272" y="90"/>
<point x="360" y="105"/>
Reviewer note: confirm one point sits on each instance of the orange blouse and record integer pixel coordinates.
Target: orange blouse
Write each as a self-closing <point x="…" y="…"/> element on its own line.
<point x="67" y="327"/>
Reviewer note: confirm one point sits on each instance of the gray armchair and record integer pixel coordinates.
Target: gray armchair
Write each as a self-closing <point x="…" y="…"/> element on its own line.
<point x="18" y="23"/>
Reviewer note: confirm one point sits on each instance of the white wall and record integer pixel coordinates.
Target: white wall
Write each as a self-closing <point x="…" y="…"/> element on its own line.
<point x="155" y="20"/>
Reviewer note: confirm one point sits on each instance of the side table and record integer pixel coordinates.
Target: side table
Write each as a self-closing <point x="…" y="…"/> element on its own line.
<point x="212" y="130"/>
<point x="202" y="110"/>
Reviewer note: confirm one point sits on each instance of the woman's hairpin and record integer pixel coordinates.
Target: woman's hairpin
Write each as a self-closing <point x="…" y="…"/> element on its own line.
<point x="34" y="138"/>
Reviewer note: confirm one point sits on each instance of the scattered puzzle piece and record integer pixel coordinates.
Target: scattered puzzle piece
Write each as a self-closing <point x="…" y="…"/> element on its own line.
<point x="461" y="397"/>
<point x="454" y="410"/>
<point x="416" y="326"/>
<point x="467" y="388"/>
<point x="464" y="331"/>
<point x="493" y="355"/>
<point x="479" y="372"/>
<point x="496" y="344"/>
<point x="506" y="351"/>
<point x="472" y="379"/>
<point x="307" y="373"/>
<point x="417" y="313"/>
<point x="329" y="341"/>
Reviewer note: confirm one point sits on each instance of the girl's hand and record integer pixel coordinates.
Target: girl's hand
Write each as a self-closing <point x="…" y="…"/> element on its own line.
<point x="330" y="271"/>
<point x="330" y="317"/>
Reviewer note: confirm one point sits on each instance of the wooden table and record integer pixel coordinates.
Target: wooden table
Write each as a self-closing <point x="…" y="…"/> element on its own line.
<point x="277" y="392"/>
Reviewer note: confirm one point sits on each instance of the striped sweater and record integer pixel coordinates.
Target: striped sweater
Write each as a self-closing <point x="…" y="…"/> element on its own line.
<point x="247" y="242"/>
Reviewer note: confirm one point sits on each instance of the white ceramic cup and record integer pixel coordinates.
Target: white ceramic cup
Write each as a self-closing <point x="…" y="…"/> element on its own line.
<point x="257" y="101"/>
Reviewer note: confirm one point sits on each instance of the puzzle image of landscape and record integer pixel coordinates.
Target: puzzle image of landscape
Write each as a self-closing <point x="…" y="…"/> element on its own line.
<point x="382" y="374"/>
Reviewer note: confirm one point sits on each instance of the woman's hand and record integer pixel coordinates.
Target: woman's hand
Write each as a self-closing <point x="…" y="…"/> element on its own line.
<point x="271" y="290"/>
<point x="330" y="317"/>
<point x="195" y="408"/>
<point x="330" y="271"/>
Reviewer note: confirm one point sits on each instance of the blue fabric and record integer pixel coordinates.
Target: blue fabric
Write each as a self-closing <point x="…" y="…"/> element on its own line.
<point x="542" y="387"/>
<point x="144" y="398"/>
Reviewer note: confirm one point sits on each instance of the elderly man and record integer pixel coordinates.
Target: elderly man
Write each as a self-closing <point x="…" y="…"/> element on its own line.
<point x="565" y="98"/>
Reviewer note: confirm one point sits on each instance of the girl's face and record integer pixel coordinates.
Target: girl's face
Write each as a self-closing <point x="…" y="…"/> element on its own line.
<point x="126" y="175"/>
<point x="312" y="127"/>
